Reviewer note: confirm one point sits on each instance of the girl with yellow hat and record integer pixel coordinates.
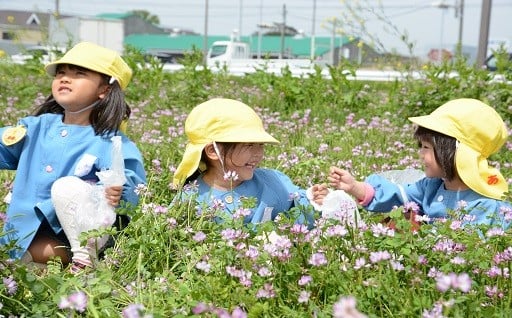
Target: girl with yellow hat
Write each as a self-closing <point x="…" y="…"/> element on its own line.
<point x="455" y="141"/>
<point x="225" y="147"/>
<point x="58" y="154"/>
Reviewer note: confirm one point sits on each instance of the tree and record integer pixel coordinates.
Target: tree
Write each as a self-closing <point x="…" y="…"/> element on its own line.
<point x="147" y="16"/>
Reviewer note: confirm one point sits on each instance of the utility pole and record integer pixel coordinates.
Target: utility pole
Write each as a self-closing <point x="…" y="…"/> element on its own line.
<point x="205" y="39"/>
<point x="313" y="46"/>
<point x="484" y="32"/>
<point x="57" y="8"/>
<point x="282" y="30"/>
<point x="461" y="22"/>
<point x="259" y="29"/>
<point x="334" y="24"/>
<point x="240" y="21"/>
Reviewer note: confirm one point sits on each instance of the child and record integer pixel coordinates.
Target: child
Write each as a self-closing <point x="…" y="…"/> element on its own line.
<point x="226" y="141"/>
<point x="58" y="151"/>
<point x="455" y="141"/>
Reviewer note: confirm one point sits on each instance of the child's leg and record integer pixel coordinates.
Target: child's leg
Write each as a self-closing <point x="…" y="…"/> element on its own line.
<point x="44" y="248"/>
<point x="77" y="206"/>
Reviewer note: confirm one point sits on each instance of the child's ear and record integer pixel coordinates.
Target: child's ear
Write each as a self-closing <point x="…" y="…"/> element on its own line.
<point x="103" y="91"/>
<point x="210" y="152"/>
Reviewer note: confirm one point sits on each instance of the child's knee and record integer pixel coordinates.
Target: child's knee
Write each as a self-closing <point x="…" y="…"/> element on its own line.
<point x="68" y="187"/>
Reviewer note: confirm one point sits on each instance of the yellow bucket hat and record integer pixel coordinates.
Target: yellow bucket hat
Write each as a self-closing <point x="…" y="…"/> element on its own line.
<point x="218" y="120"/>
<point x="481" y="132"/>
<point x="95" y="58"/>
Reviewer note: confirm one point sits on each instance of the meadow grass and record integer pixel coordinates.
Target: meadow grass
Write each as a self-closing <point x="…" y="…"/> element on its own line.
<point x="170" y="262"/>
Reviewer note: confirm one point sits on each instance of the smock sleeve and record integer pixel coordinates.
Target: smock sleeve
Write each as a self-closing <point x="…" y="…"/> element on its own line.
<point x="388" y="194"/>
<point x="134" y="172"/>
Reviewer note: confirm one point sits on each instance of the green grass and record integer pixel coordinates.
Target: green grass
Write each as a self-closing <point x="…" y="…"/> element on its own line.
<point x="356" y="125"/>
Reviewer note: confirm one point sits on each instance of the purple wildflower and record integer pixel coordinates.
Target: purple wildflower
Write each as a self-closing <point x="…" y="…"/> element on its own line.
<point x="10" y="285"/>
<point x="200" y="308"/>
<point x="140" y="189"/>
<point x="230" y="176"/>
<point x="204" y="266"/>
<point x="133" y="311"/>
<point x="304" y="280"/>
<point x="496" y="231"/>
<point x="458" y="260"/>
<point x="318" y="259"/>
<point x="241" y="213"/>
<point x="238" y="313"/>
<point x="76" y="301"/>
<point x="264" y="272"/>
<point x="378" y="256"/>
<point x="411" y="206"/>
<point x="199" y="236"/>
<point x="360" y="263"/>
<point x="345" y="307"/>
<point x="304" y="296"/>
<point x="266" y="292"/>
<point x="461" y="282"/>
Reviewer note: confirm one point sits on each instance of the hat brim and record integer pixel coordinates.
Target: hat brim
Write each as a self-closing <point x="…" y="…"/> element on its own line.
<point x="247" y="136"/>
<point x="51" y="68"/>
<point x="435" y="123"/>
<point x="474" y="171"/>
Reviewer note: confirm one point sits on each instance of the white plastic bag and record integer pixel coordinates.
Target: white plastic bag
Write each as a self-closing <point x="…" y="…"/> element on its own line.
<point x="405" y="176"/>
<point x="336" y="205"/>
<point x="113" y="177"/>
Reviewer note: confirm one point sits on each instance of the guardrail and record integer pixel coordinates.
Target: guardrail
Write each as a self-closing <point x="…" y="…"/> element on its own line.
<point x="298" y="68"/>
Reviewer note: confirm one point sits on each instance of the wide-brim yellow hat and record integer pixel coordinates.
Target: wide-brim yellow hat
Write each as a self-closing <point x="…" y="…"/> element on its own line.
<point x="218" y="120"/>
<point x="481" y="132"/>
<point x="95" y="58"/>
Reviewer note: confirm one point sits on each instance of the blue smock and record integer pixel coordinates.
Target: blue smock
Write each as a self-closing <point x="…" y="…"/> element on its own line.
<point x="274" y="193"/>
<point x="434" y="200"/>
<point x="51" y="150"/>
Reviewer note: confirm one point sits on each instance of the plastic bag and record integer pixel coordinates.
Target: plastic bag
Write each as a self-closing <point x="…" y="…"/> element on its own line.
<point x="113" y="177"/>
<point x="336" y="205"/>
<point x="404" y="176"/>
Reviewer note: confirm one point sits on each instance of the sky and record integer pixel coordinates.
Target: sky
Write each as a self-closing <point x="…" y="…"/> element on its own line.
<point x="427" y="25"/>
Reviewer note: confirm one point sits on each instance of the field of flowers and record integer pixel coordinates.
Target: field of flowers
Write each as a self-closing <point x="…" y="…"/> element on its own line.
<point x="169" y="262"/>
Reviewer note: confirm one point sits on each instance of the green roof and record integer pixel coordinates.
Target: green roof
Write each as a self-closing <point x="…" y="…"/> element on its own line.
<point x="298" y="46"/>
<point x="118" y="16"/>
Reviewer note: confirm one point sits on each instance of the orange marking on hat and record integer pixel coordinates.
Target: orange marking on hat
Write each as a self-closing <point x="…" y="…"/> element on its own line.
<point x="492" y="180"/>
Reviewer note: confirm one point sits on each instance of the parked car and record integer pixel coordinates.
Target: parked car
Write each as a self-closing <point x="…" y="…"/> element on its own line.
<point x="492" y="62"/>
<point x="44" y="54"/>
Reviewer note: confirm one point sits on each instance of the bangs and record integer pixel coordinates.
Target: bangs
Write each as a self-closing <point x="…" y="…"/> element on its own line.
<point x="73" y="67"/>
<point x="423" y="134"/>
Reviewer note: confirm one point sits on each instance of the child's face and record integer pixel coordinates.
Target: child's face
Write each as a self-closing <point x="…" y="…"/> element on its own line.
<point x="243" y="159"/>
<point x="431" y="167"/>
<point x="75" y="88"/>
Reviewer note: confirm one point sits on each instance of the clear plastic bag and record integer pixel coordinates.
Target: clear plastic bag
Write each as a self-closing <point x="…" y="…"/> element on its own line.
<point x="112" y="177"/>
<point x="115" y="175"/>
<point x="405" y="176"/>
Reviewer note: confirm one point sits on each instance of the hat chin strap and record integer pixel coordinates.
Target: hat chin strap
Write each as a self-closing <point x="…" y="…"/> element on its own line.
<point x="218" y="155"/>
<point x="85" y="108"/>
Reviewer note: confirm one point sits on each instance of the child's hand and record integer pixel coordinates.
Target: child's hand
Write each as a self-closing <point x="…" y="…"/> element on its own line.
<point x="341" y="179"/>
<point x="113" y="194"/>
<point x="319" y="192"/>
